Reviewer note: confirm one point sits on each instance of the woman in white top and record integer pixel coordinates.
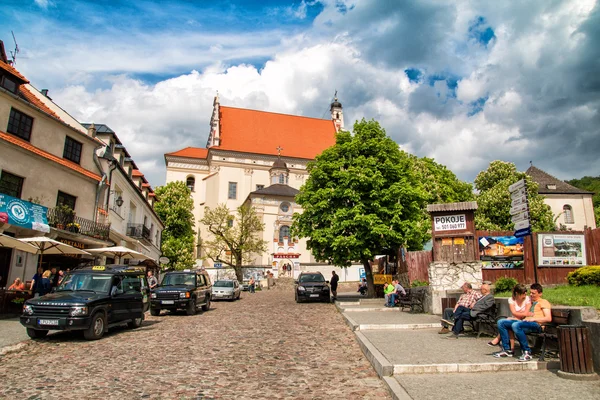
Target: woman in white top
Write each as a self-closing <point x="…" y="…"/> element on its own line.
<point x="519" y="305"/>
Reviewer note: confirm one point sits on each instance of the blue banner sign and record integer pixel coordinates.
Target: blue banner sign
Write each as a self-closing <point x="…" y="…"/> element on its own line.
<point x="23" y="214"/>
<point x="523" y="232"/>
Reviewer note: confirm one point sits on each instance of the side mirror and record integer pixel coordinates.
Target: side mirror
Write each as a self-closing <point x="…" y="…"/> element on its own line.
<point x="296" y="282"/>
<point x="326" y="281"/>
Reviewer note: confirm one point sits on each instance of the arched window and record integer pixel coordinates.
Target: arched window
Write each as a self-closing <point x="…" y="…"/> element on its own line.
<point x="190" y="183"/>
<point x="282" y="179"/>
<point x="284" y="231"/>
<point x="568" y="211"/>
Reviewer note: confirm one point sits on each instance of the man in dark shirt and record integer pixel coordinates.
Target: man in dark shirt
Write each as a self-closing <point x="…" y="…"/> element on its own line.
<point x="334" y="284"/>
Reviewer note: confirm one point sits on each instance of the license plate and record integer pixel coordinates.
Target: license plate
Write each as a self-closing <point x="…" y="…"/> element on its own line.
<point x="314" y="295"/>
<point x="168" y="302"/>
<point x="218" y="295"/>
<point x="48" y="322"/>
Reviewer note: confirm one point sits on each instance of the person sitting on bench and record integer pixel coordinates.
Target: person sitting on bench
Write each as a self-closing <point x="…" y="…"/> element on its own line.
<point x="539" y="313"/>
<point x="398" y="291"/>
<point x="467" y="300"/>
<point x="463" y="314"/>
<point x="362" y="286"/>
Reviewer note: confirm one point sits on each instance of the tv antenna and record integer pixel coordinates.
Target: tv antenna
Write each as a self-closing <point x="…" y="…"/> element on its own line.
<point x="13" y="54"/>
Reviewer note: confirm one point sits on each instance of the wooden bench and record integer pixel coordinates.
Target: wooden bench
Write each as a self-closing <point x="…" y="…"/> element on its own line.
<point x="550" y="331"/>
<point x="487" y="318"/>
<point x="413" y="300"/>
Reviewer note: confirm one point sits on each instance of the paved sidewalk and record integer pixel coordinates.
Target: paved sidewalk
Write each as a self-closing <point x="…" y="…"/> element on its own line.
<point x="11" y="332"/>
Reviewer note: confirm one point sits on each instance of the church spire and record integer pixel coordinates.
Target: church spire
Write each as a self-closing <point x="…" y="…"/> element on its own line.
<point x="279" y="172"/>
<point x="337" y="113"/>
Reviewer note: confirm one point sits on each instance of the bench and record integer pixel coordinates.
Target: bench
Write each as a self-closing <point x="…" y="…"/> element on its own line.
<point x="487" y="318"/>
<point x="413" y="300"/>
<point x="550" y="331"/>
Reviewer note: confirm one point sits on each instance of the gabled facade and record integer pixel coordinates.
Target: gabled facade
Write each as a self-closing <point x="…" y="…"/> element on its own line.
<point x="572" y="207"/>
<point x="248" y="151"/>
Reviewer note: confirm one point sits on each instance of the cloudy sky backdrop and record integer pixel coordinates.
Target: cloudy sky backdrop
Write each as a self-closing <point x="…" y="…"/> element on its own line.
<point x="463" y="82"/>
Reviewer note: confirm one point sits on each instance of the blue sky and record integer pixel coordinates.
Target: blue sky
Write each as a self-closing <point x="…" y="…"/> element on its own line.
<point x="461" y="81"/>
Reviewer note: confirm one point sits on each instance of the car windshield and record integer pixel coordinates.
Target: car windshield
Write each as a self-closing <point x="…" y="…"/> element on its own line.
<point x="179" y="279"/>
<point x="99" y="283"/>
<point x="223" y="284"/>
<point x="311" y="278"/>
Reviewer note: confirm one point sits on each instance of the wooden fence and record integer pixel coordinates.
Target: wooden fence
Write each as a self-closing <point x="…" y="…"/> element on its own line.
<point x="416" y="263"/>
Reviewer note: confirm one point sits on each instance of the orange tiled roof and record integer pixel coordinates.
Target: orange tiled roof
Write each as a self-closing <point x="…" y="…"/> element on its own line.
<point x="192" y="152"/>
<point x="145" y="185"/>
<point x="136" y="173"/>
<point x="151" y="195"/>
<point x="30" y="97"/>
<point x="69" y="164"/>
<point x="13" y="71"/>
<point x="252" y="131"/>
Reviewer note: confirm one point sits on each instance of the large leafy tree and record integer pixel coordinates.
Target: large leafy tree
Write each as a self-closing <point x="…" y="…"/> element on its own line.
<point x="239" y="236"/>
<point x="175" y="210"/>
<point x="591" y="184"/>
<point x="494" y="201"/>
<point x="363" y="197"/>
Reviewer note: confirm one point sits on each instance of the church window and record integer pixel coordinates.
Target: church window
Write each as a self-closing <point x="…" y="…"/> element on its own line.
<point x="190" y="182"/>
<point x="568" y="211"/>
<point x="259" y="187"/>
<point x="285" y="207"/>
<point x="230" y="222"/>
<point x="232" y="193"/>
<point x="284" y="231"/>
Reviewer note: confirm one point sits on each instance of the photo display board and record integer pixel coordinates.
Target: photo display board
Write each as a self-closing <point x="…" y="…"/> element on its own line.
<point x="561" y="250"/>
<point x="501" y="252"/>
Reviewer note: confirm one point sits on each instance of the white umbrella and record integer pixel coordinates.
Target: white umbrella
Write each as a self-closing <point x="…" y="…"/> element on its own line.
<point x="10" y="242"/>
<point x="119" y="252"/>
<point x="45" y="245"/>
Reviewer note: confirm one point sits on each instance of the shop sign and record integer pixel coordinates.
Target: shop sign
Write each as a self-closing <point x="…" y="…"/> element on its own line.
<point x="23" y="213"/>
<point x="450" y="222"/>
<point x="380" y="279"/>
<point x="73" y="243"/>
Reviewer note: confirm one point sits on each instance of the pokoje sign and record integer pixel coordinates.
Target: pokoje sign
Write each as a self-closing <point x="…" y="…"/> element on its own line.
<point x="450" y="222"/>
<point x="23" y="213"/>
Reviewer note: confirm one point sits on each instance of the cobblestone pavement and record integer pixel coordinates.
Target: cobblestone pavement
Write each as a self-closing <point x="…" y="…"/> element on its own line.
<point x="264" y="346"/>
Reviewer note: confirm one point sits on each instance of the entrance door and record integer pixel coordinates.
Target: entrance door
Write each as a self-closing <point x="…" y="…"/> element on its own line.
<point x="5" y="257"/>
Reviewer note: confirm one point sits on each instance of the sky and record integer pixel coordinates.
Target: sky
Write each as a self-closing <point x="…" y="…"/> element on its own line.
<point x="463" y="82"/>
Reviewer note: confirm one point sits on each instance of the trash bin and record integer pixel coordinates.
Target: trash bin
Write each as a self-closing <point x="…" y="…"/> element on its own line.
<point x="575" y="352"/>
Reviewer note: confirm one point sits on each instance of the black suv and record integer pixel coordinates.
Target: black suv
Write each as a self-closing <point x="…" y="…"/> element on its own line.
<point x="185" y="289"/>
<point x="92" y="300"/>
<point x="312" y="286"/>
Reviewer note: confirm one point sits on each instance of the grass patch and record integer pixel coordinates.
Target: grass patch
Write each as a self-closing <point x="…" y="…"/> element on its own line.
<point x="569" y="296"/>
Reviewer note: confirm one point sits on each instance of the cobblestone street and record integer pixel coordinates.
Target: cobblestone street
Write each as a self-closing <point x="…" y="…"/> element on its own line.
<point x="264" y="346"/>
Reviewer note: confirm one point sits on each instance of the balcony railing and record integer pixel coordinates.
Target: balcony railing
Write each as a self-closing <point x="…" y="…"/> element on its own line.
<point x="138" y="231"/>
<point x="68" y="221"/>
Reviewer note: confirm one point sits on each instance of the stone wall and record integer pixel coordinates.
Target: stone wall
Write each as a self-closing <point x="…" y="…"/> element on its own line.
<point x="446" y="278"/>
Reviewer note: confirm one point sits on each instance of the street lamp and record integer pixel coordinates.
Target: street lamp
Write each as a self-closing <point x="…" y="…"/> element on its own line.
<point x="119" y="201"/>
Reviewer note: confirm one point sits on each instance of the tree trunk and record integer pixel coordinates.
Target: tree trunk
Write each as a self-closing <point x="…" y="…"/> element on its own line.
<point x="369" y="275"/>
<point x="239" y="273"/>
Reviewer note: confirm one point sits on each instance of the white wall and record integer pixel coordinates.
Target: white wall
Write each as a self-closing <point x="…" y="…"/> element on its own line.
<point x="582" y="205"/>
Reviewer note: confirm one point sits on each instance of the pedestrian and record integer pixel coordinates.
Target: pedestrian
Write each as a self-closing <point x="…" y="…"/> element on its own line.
<point x="251" y="284"/>
<point x="36" y="279"/>
<point x="54" y="277"/>
<point x="388" y="289"/>
<point x="270" y="280"/>
<point x="362" y="286"/>
<point x="152" y="281"/>
<point x="334" y="284"/>
<point x="44" y="286"/>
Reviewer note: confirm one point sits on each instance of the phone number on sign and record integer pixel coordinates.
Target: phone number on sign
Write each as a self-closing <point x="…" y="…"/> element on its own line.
<point x="451" y="227"/>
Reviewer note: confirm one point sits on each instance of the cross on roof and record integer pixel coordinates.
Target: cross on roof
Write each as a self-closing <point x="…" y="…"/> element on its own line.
<point x="279" y="148"/>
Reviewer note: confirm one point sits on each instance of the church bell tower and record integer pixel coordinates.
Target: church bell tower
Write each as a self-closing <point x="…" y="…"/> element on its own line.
<point x="337" y="113"/>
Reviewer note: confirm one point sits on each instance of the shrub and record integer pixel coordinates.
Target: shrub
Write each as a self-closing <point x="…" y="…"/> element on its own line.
<point x="417" y="283"/>
<point x="585" y="276"/>
<point x="505" y="284"/>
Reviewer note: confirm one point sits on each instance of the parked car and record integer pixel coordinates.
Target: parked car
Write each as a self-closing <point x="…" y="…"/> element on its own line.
<point x="312" y="286"/>
<point x="226" y="289"/>
<point x="92" y="300"/>
<point x="185" y="289"/>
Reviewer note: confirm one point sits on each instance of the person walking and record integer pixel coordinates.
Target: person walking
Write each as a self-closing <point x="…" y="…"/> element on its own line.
<point x="251" y="284"/>
<point x="152" y="281"/>
<point x="334" y="284"/>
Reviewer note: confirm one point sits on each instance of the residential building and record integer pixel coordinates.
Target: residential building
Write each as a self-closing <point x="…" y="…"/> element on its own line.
<point x="572" y="207"/>
<point x="259" y="158"/>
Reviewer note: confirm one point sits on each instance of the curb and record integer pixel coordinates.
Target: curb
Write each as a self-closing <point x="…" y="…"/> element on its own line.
<point x="365" y="309"/>
<point x="396" y="390"/>
<point x="471" y="368"/>
<point x="351" y="323"/>
<point x="398" y="327"/>
<point x="381" y="365"/>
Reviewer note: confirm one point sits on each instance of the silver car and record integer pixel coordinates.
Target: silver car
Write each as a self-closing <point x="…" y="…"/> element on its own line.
<point x="226" y="289"/>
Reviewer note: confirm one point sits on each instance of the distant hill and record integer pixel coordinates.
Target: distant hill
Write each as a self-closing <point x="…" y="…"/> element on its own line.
<point x="591" y="184"/>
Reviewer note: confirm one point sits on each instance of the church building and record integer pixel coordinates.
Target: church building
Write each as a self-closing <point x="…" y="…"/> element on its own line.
<point x="257" y="158"/>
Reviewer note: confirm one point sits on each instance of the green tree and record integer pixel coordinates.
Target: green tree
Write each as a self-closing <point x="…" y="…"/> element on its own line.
<point x="238" y="235"/>
<point x="494" y="199"/>
<point x="363" y="197"/>
<point x="591" y="184"/>
<point x="174" y="208"/>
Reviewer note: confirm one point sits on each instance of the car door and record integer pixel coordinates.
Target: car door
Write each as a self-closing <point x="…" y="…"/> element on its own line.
<point x="132" y="287"/>
<point x="201" y="291"/>
<point x="118" y="303"/>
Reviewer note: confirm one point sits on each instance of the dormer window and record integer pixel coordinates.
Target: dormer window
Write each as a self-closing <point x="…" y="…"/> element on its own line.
<point x="551" y="186"/>
<point x="8" y="84"/>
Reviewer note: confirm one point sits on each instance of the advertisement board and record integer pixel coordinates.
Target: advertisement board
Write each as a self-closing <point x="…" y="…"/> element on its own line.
<point x="501" y="251"/>
<point x="450" y="222"/>
<point x="561" y="250"/>
<point x="23" y="213"/>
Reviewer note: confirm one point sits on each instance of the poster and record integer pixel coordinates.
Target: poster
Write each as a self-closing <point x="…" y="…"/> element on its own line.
<point x="561" y="250"/>
<point x="497" y="252"/>
<point x="23" y="213"/>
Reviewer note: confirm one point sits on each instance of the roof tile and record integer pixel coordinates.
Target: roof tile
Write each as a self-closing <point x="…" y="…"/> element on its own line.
<point x="69" y="164"/>
<point x="136" y="173"/>
<point x="544" y="180"/>
<point x="13" y="71"/>
<point x="191" y="152"/>
<point x="30" y="97"/>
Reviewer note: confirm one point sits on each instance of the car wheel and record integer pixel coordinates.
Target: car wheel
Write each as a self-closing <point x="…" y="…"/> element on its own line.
<point x="135" y="323"/>
<point x="154" y="312"/>
<point x="298" y="299"/>
<point x="191" y="307"/>
<point x="96" y="329"/>
<point x="206" y="307"/>
<point x="36" y="333"/>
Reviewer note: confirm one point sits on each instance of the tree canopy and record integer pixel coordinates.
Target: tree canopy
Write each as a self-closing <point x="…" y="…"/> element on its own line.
<point x="494" y="199"/>
<point x="363" y="196"/>
<point x="175" y="210"/>
<point x="235" y="238"/>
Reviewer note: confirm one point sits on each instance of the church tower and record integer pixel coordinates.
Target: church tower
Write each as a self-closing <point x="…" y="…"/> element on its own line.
<point x="337" y="114"/>
<point x="279" y="172"/>
<point x="214" y="139"/>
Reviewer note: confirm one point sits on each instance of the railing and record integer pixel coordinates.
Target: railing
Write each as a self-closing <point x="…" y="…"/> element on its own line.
<point x="138" y="231"/>
<point x="68" y="221"/>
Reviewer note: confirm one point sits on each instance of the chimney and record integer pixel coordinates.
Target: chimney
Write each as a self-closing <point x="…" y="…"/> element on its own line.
<point x="45" y="92"/>
<point x="91" y="129"/>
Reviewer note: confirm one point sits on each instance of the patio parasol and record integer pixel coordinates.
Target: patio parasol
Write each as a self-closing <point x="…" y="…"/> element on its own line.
<point x="119" y="252"/>
<point x="45" y="245"/>
<point x="12" y="243"/>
